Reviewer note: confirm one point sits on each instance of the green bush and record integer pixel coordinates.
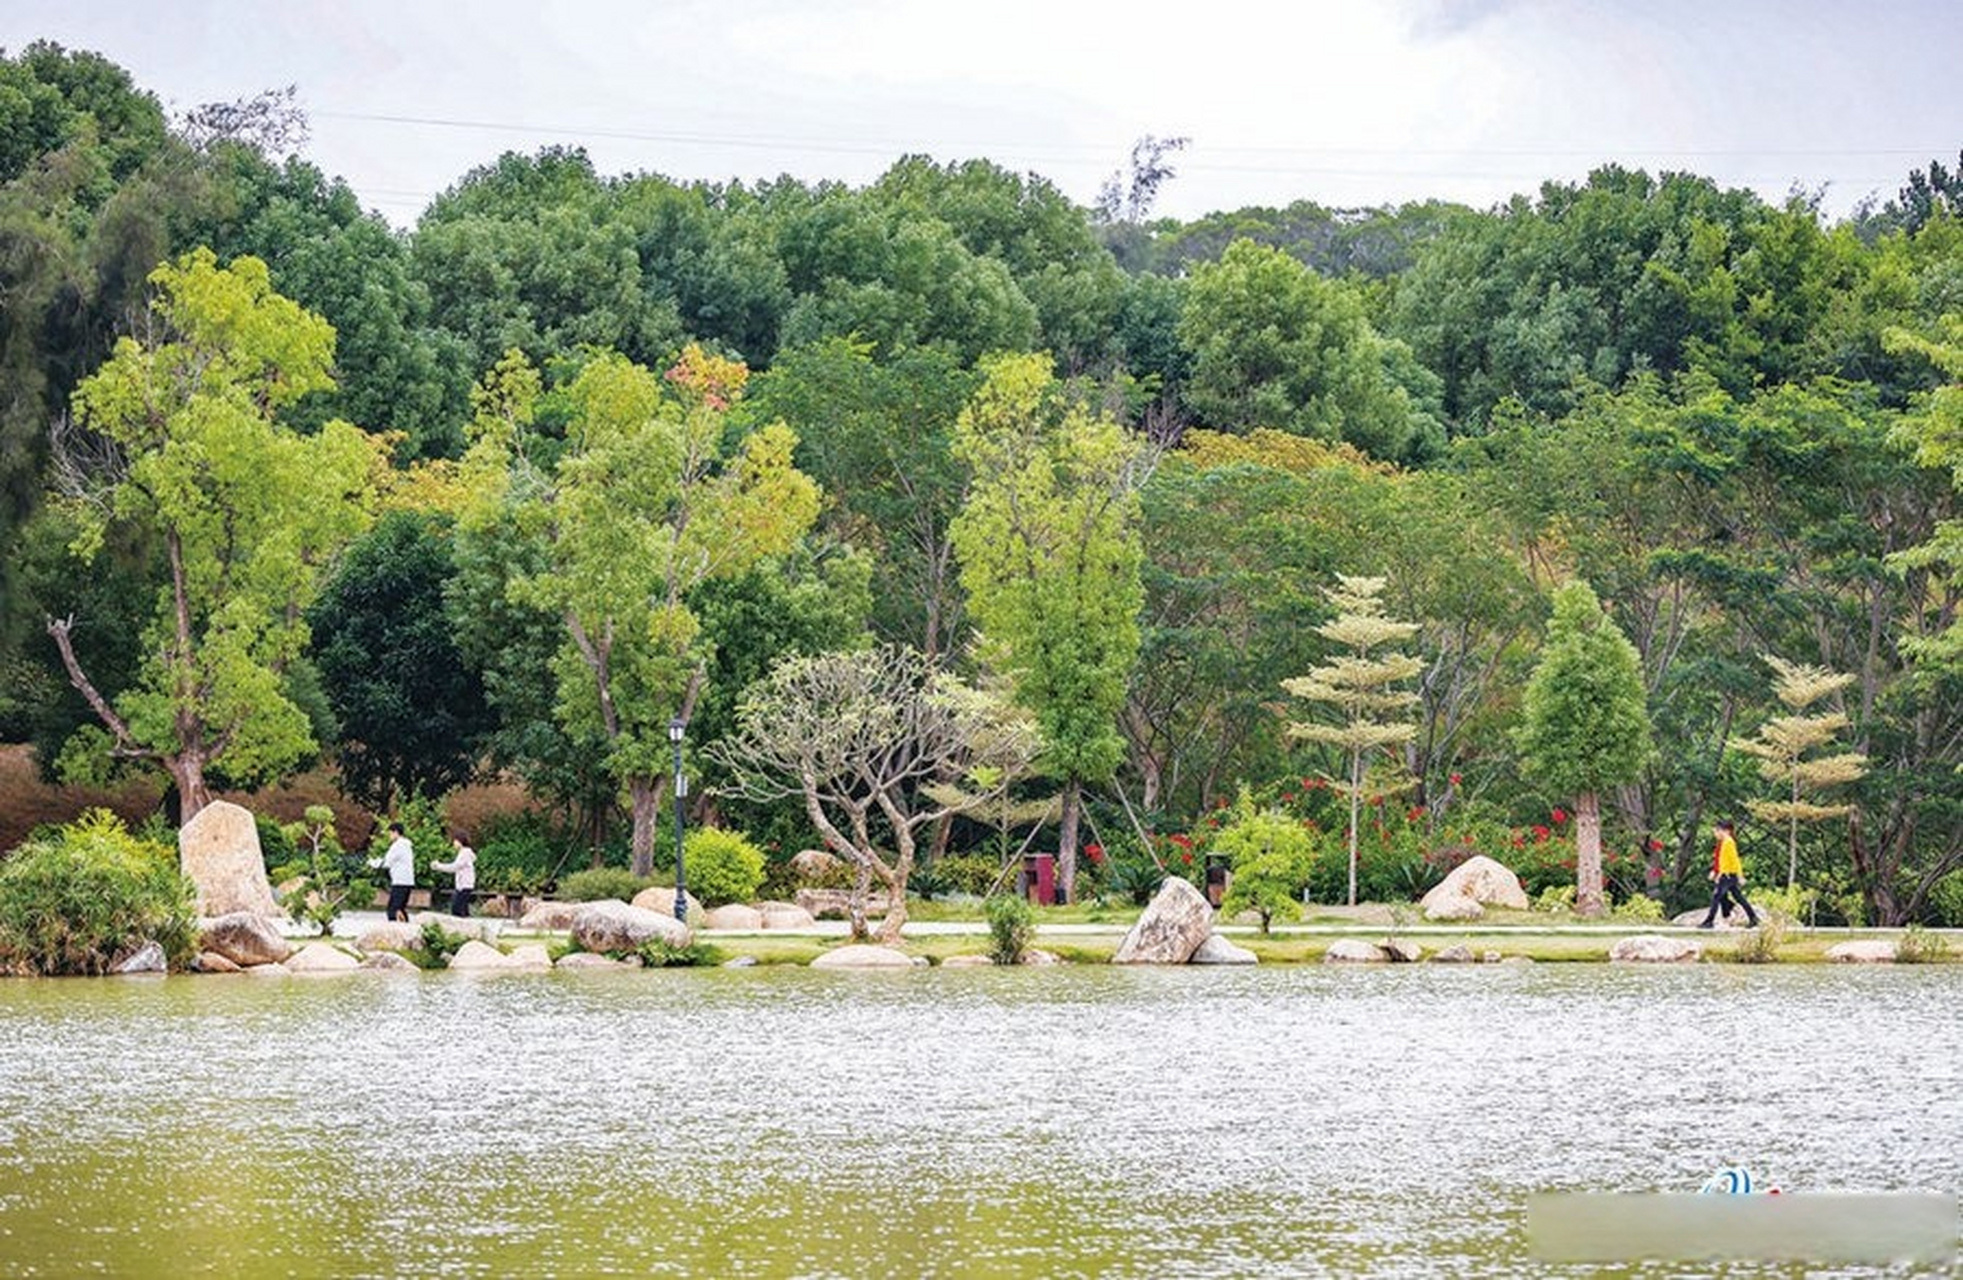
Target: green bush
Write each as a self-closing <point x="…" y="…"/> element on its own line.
<point x="597" y="883"/>
<point x="723" y="866"/>
<point x="656" y="953"/>
<point x="435" y="947"/>
<point x="1011" y="928"/>
<point x="1133" y="879"/>
<point x="1761" y="945"/>
<point x="1946" y="901"/>
<point x="1918" y="946"/>
<point x="275" y="845"/>
<point x="1639" y="907"/>
<point x="422" y="821"/>
<point x="1555" y="897"/>
<point x="1271" y="854"/>
<point x="970" y="873"/>
<point x="77" y="900"/>
<point x="518" y="852"/>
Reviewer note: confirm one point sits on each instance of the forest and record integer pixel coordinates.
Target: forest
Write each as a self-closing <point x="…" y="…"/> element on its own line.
<point x="581" y="455"/>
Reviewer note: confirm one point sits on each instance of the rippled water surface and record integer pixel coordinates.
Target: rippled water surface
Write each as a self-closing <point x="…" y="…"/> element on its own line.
<point x="1086" y="1122"/>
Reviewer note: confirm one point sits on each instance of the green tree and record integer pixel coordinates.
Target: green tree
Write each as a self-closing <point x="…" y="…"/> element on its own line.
<point x="642" y="506"/>
<point x="247" y="513"/>
<point x="411" y="712"/>
<point x="1050" y="551"/>
<point x="1781" y="747"/>
<point x="1586" y="728"/>
<point x="1271" y="856"/>
<point x="1357" y="685"/>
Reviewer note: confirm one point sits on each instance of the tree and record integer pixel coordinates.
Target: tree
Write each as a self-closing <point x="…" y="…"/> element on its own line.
<point x="1781" y="746"/>
<point x="249" y="515"/>
<point x="1586" y="728"/>
<point x="859" y="738"/>
<point x="641" y="507"/>
<point x="1050" y="552"/>
<point x="1271" y="856"/>
<point x="412" y="713"/>
<point x="1357" y="684"/>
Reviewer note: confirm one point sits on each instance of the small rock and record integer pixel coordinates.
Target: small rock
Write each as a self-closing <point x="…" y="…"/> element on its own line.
<point x="1171" y="928"/>
<point x="662" y="902"/>
<point x="1863" y="951"/>
<point x="148" y="958"/>
<point x="1036" y="955"/>
<point x="1217" y="950"/>
<point x="732" y="915"/>
<point x="479" y="955"/>
<point x="319" y="957"/>
<point x="741" y="962"/>
<point x="1353" y="951"/>
<point x="247" y="939"/>
<point x="212" y="962"/>
<point x="1490" y="957"/>
<point x="389" y="962"/>
<point x="1402" y="951"/>
<point x="532" y="955"/>
<point x="1518" y="960"/>
<point x="549" y="917"/>
<point x="588" y="960"/>
<point x="267" y="970"/>
<point x="457" y="926"/>
<point x="1654" y="948"/>
<point x="785" y="915"/>
<point x="390" y="936"/>
<point x="1457" y="953"/>
<point x="1456" y="906"/>
<point x="970" y="961"/>
<point x="863" y="956"/>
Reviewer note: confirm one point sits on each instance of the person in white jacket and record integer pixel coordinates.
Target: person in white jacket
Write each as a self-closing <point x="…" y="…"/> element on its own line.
<point x="464" y="867"/>
<point x="400" y="860"/>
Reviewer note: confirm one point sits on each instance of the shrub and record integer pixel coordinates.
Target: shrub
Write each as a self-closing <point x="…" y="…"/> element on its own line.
<point x="1639" y="907"/>
<point x="1946" y="901"/>
<point x="971" y="873"/>
<point x="78" y="899"/>
<point x="422" y="821"/>
<point x="1555" y="897"/>
<point x="1761" y="945"/>
<point x="275" y="843"/>
<point x="1918" y="946"/>
<point x="1134" y="879"/>
<point x="723" y="866"/>
<point x="656" y="953"/>
<point x="517" y="852"/>
<point x="435" y="947"/>
<point x="1011" y="928"/>
<point x="1793" y="905"/>
<point x="597" y="883"/>
<point x="1271" y="855"/>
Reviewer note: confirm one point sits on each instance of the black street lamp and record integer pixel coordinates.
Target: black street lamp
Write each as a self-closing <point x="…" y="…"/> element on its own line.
<point x="677" y="729"/>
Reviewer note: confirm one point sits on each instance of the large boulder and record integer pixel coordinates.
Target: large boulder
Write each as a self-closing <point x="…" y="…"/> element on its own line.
<point x="733" y="915"/>
<point x="1483" y="881"/>
<point x="1457" y="907"/>
<point x="532" y="955"/>
<point x="391" y="935"/>
<point x="219" y="850"/>
<point x="1217" y="950"/>
<point x="148" y="958"/>
<point x="1401" y="950"/>
<point x="785" y="915"/>
<point x="479" y="955"/>
<point x="1863" y="951"/>
<point x="1354" y="951"/>
<point x="613" y="925"/>
<point x="1654" y="948"/>
<point x="457" y="926"/>
<point x="319" y="957"/>
<point x="863" y="956"/>
<point x="662" y="902"/>
<point x="549" y="917"/>
<point x="836" y="904"/>
<point x="246" y="938"/>
<point x="1171" y="929"/>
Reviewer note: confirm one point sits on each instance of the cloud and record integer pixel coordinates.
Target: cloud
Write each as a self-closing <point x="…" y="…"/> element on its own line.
<point x="1442" y="19"/>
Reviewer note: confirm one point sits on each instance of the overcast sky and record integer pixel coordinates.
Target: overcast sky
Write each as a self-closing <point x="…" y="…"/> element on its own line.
<point x="1343" y="103"/>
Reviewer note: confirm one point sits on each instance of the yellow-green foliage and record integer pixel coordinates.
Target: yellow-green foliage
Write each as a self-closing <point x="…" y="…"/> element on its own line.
<point x="1271" y="856"/>
<point x="1638" y="907"/>
<point x="722" y="867"/>
<point x="80" y="898"/>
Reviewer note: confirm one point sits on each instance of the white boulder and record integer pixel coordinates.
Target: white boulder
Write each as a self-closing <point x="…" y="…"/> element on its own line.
<point x="1482" y="880"/>
<point x="1354" y="951"/>
<point x="1171" y="928"/>
<point x="613" y="925"/>
<point x="549" y="917"/>
<point x="863" y="956"/>
<point x="1217" y="950"/>
<point x="1654" y="948"/>
<point x="246" y="938"/>
<point x="390" y="935"/>
<point x="1863" y="951"/>
<point x="785" y="915"/>
<point x="479" y="955"/>
<point x="732" y="915"/>
<point x="319" y="957"/>
<point x="219" y="850"/>
<point x="148" y="958"/>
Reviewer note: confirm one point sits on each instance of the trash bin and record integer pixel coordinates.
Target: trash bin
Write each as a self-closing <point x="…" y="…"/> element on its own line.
<point x="1039" y="878"/>
<point x="1217" y="876"/>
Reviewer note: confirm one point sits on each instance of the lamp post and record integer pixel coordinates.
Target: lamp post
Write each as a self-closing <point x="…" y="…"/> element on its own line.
<point x="677" y="728"/>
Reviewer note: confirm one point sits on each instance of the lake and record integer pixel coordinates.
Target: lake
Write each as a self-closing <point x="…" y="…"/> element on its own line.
<point x="1092" y="1121"/>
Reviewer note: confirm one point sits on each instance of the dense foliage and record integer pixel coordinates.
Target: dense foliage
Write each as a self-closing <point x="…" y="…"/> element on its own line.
<point x="1102" y="467"/>
<point x="80" y="898"/>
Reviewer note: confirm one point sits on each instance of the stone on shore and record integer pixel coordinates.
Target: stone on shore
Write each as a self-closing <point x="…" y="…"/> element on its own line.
<point x="1479" y="879"/>
<point x="1401" y="951"/>
<point x="815" y="864"/>
<point x="246" y="938"/>
<point x="1457" y="908"/>
<point x="1354" y="951"/>
<point x="662" y="902"/>
<point x="588" y="960"/>
<point x="858" y="955"/>
<point x="457" y="926"/>
<point x="1036" y="955"/>
<point x="733" y="915"/>
<point x="1457" y="953"/>
<point x="1863" y="951"/>
<point x="219" y="850"/>
<point x="391" y="935"/>
<point x="479" y="955"/>
<point x="1217" y="950"/>
<point x="389" y="962"/>
<point x="1171" y="928"/>
<point x="320" y="957"/>
<point x="212" y="962"/>
<point x="613" y="925"/>
<point x="740" y="962"/>
<point x="785" y="915"/>
<point x="1654" y="948"/>
<point x="267" y="971"/>
<point x="969" y="961"/>
<point x="148" y="958"/>
<point x="548" y="917"/>
<point x="532" y="955"/>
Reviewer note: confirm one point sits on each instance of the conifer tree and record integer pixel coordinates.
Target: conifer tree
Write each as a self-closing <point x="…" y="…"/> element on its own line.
<point x="1357" y="684"/>
<point x="1781" y="746"/>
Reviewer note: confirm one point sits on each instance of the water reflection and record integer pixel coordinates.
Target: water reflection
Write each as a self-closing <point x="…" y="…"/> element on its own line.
<point x="1094" y="1122"/>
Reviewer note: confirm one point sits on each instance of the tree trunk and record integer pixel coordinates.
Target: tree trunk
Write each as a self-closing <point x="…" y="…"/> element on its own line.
<point x="645" y="795"/>
<point x="1073" y="812"/>
<point x="856" y="904"/>
<point x="896" y="902"/>
<point x="1588" y="854"/>
<point x="187" y="771"/>
<point x="1356" y="804"/>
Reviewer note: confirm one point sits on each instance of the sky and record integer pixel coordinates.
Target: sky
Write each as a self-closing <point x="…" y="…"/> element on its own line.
<point x="1348" y="104"/>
